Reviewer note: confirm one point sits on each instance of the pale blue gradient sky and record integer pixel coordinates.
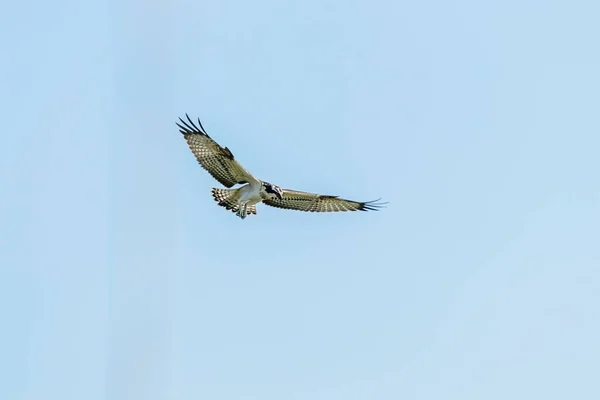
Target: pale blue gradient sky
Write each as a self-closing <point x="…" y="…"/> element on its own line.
<point x="478" y="121"/>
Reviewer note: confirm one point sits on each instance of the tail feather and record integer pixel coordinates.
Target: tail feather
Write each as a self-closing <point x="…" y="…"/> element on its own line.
<point x="229" y="198"/>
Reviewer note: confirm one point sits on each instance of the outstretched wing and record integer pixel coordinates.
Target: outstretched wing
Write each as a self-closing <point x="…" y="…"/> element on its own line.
<point x="217" y="160"/>
<point x="302" y="201"/>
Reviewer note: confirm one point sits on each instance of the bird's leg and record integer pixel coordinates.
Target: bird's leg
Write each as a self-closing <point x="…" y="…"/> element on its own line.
<point x="242" y="210"/>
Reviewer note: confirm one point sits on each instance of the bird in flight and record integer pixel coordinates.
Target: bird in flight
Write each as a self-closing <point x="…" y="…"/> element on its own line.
<point x="221" y="164"/>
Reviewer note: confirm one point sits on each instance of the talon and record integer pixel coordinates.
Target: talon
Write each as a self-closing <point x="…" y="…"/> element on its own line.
<point x="242" y="210"/>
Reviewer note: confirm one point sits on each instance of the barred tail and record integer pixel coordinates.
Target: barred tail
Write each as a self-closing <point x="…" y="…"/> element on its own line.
<point x="229" y="198"/>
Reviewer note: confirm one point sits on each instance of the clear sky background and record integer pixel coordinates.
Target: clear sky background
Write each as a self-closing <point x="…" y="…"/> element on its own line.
<point x="478" y="121"/>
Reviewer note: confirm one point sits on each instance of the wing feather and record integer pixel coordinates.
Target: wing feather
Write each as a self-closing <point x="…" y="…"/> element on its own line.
<point x="217" y="160"/>
<point x="312" y="202"/>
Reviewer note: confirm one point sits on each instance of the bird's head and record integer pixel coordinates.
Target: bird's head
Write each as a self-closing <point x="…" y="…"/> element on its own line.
<point x="273" y="189"/>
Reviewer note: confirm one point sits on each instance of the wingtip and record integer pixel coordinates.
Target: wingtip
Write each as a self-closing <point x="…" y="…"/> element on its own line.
<point x="373" y="205"/>
<point x="189" y="127"/>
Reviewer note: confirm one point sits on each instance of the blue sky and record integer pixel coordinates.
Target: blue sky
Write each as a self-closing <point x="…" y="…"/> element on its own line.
<point x="478" y="121"/>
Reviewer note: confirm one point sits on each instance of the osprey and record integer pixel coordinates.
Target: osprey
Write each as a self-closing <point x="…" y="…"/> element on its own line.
<point x="221" y="164"/>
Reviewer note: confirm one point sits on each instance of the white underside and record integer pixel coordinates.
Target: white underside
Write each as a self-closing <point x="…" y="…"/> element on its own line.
<point x="250" y="195"/>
